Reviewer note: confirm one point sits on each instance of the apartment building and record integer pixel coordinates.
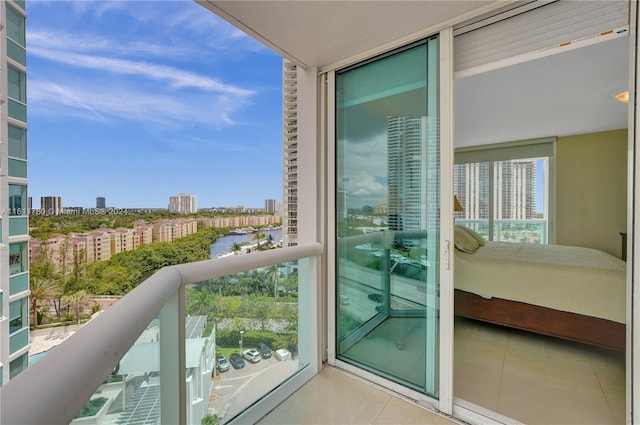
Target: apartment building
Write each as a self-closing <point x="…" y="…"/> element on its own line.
<point x="290" y="152"/>
<point x="14" y="279"/>
<point x="183" y="203"/>
<point x="51" y="205"/>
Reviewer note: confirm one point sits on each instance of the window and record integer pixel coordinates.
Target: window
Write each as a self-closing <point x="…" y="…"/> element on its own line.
<point x="505" y="190"/>
<point x="17" y="200"/>
<point x="17" y="85"/>
<point x="15" y="26"/>
<point x="17" y="142"/>
<point x="18" y="365"/>
<point x="18" y="311"/>
<point x="18" y="259"/>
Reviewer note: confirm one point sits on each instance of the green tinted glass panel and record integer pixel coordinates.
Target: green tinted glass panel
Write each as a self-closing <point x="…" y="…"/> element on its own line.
<point x="18" y="258"/>
<point x="17" y="200"/>
<point x="17" y="110"/>
<point x="18" y="226"/>
<point x="17" y="168"/>
<point x="17" y="85"/>
<point x="15" y="26"/>
<point x="17" y="142"/>
<point x="19" y="283"/>
<point x="16" y="53"/>
<point x="18" y="311"/>
<point x="18" y="365"/>
<point x="18" y="341"/>
<point x="387" y="160"/>
<point x="21" y="3"/>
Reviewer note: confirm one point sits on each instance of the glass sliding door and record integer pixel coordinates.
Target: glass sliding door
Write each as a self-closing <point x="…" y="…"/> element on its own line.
<point x="387" y="215"/>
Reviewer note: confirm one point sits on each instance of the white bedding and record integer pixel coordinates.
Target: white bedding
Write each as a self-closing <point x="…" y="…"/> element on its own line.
<point x="579" y="280"/>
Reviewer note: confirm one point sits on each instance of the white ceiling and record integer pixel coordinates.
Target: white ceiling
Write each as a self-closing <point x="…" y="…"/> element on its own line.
<point x="558" y="95"/>
<point x="561" y="94"/>
<point x="321" y="33"/>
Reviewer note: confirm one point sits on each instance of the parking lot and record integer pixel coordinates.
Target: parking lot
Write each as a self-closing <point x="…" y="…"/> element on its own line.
<point x="235" y="389"/>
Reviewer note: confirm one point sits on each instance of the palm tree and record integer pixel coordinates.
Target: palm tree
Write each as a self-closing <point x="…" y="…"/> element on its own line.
<point x="236" y="247"/>
<point x="258" y="236"/>
<point x="41" y="290"/>
<point x="76" y="301"/>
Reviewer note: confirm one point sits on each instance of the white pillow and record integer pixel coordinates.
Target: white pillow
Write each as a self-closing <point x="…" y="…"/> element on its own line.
<point x="465" y="242"/>
<point x="475" y="235"/>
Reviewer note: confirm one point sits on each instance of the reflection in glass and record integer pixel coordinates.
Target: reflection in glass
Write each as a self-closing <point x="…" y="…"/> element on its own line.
<point x="387" y="215"/>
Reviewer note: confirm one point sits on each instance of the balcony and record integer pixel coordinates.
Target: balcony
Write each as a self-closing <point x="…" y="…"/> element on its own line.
<point x="146" y="358"/>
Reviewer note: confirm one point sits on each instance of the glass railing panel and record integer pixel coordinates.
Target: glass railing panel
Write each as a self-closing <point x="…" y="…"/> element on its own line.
<point x="524" y="231"/>
<point x="17" y="110"/>
<point x="480" y="226"/>
<point x="16" y="52"/>
<point x="18" y="283"/>
<point x="242" y="339"/>
<point x="131" y="393"/>
<point x="18" y="226"/>
<point x="17" y="168"/>
<point x="18" y="340"/>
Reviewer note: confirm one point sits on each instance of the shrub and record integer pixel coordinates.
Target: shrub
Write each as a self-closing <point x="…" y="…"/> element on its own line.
<point x="92" y="407"/>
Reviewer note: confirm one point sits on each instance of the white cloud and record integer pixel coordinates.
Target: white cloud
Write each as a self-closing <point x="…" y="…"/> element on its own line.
<point x="100" y="102"/>
<point x="176" y="77"/>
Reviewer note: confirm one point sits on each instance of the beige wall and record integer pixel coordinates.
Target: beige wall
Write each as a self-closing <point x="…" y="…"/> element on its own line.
<point x="591" y="190"/>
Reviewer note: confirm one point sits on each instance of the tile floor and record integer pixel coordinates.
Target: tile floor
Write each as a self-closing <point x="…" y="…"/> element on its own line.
<point x="536" y="379"/>
<point x="530" y="378"/>
<point x="334" y="397"/>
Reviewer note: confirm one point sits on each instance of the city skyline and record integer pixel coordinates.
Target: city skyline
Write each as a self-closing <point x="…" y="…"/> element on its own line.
<point x="137" y="101"/>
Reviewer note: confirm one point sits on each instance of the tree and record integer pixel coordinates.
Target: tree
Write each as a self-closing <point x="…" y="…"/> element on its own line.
<point x="236" y="247"/>
<point x="76" y="302"/>
<point x="258" y="237"/>
<point x="41" y="290"/>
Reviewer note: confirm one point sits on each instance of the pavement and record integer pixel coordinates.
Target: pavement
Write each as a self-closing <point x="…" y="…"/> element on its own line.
<point x="235" y="390"/>
<point x="45" y="339"/>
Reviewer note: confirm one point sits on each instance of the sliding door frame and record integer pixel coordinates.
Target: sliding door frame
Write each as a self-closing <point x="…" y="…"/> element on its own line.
<point x="444" y="371"/>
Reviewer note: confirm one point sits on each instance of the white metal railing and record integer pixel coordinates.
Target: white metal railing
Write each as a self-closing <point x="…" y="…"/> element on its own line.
<point x="54" y="389"/>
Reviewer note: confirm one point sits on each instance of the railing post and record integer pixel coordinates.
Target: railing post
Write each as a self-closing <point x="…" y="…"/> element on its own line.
<point x="172" y="361"/>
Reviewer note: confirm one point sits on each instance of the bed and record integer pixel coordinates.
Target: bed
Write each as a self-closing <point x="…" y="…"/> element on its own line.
<point x="568" y="292"/>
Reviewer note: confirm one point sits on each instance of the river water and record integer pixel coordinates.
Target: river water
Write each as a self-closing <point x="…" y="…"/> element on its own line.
<point x="224" y="243"/>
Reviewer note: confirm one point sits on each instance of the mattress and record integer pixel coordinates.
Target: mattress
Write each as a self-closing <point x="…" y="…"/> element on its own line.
<point x="573" y="279"/>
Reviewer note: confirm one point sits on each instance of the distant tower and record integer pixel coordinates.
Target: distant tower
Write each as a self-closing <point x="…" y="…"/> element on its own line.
<point x="183" y="203"/>
<point x="101" y="202"/>
<point x="51" y="205"/>
<point x="270" y="205"/>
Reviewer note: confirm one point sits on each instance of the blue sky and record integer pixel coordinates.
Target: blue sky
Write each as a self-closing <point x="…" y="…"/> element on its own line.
<point x="140" y="100"/>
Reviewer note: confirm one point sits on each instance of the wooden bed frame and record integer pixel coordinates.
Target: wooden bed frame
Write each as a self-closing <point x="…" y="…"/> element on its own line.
<point x="542" y="320"/>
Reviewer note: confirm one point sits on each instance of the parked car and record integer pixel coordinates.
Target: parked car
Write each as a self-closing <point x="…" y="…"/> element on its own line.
<point x="236" y="361"/>
<point x="223" y="364"/>
<point x="252" y="355"/>
<point x="264" y="351"/>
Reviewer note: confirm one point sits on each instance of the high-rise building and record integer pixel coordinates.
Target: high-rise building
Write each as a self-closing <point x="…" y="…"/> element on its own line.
<point x="51" y="205"/>
<point x="183" y="203"/>
<point x="514" y="193"/>
<point x="14" y="261"/>
<point x="101" y="202"/>
<point x="406" y="149"/>
<point x="270" y="205"/>
<point x="290" y="152"/>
